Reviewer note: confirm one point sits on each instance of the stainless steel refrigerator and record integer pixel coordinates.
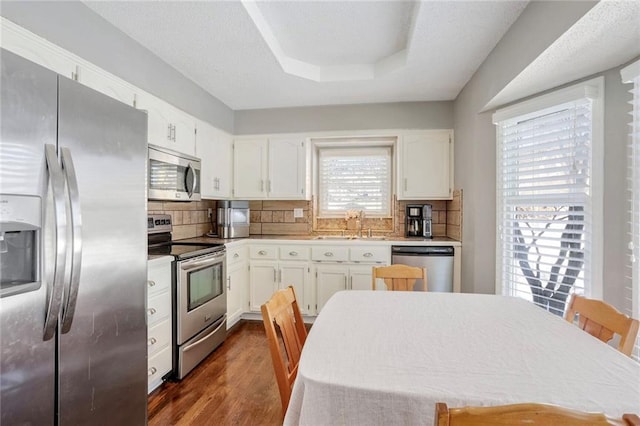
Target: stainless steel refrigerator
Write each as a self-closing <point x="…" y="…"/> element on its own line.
<point x="72" y="252"/>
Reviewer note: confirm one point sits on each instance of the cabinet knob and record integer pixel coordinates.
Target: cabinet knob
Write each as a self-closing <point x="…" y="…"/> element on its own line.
<point x="328" y="254"/>
<point x="368" y="254"/>
<point x="236" y="255"/>
<point x="152" y="341"/>
<point x="152" y="371"/>
<point x="293" y="253"/>
<point x="151" y="283"/>
<point x="151" y="311"/>
<point x="262" y="252"/>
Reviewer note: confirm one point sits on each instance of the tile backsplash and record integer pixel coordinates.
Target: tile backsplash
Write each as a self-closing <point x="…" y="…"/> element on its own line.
<point x="276" y="218"/>
<point x="190" y="219"/>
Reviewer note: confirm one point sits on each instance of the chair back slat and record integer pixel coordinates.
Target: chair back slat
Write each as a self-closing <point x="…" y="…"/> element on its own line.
<point x="603" y="321"/>
<point x="399" y="277"/>
<point x="525" y="414"/>
<point x="286" y="335"/>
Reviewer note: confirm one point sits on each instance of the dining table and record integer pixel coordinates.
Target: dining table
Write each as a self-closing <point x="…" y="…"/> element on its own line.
<point x="386" y="358"/>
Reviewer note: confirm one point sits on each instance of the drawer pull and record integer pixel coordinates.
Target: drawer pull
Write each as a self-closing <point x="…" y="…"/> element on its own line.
<point x="236" y="255"/>
<point x="152" y="311"/>
<point x="262" y="252"/>
<point x="151" y="283"/>
<point x="293" y="253"/>
<point x="329" y="254"/>
<point x="153" y="341"/>
<point x="368" y="254"/>
<point x="152" y="371"/>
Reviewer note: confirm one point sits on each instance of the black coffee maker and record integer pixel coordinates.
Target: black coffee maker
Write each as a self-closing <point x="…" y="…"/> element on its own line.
<point x="413" y="221"/>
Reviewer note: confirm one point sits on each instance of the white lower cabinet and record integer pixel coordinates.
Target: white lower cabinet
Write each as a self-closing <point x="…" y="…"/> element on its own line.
<point x="159" y="331"/>
<point x="345" y="268"/>
<point x="286" y="266"/>
<point x="237" y="279"/>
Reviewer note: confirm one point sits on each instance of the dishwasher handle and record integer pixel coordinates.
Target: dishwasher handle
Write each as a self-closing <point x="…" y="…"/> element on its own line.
<point x="422" y="250"/>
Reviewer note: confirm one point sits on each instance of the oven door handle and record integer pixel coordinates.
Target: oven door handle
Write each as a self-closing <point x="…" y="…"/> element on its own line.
<point x="196" y="343"/>
<point x="187" y="266"/>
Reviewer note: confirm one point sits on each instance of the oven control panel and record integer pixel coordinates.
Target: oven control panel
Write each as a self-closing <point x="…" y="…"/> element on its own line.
<point x="158" y="223"/>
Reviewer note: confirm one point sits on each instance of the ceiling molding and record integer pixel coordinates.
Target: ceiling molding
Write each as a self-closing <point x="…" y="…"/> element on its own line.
<point x="329" y="73"/>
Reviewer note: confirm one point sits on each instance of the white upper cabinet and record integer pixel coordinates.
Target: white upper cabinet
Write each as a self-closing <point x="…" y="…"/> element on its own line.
<point x="213" y="147"/>
<point x="250" y="168"/>
<point x="425" y="169"/>
<point x="168" y="127"/>
<point x="273" y="168"/>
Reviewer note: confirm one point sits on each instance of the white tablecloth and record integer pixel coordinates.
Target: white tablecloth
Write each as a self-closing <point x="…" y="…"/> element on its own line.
<point x="386" y="358"/>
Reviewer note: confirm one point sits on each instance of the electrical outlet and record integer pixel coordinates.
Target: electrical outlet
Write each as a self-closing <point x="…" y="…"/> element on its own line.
<point x="297" y="213"/>
<point x="209" y="212"/>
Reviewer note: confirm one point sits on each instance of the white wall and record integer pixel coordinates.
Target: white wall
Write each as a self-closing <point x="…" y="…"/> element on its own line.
<point x="76" y="28"/>
<point x="475" y="154"/>
<point x="399" y="115"/>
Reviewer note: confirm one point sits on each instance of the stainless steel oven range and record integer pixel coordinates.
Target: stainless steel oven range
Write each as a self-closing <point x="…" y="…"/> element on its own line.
<point x="199" y="294"/>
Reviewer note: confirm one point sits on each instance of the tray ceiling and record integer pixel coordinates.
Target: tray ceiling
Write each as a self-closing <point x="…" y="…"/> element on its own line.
<point x="272" y="54"/>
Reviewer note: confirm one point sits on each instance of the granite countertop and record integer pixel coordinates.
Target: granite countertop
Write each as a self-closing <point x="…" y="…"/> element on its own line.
<point x="315" y="239"/>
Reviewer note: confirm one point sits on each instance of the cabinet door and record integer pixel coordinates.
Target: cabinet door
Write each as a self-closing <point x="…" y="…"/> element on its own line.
<point x="330" y="279"/>
<point x="158" y="124"/>
<point x="360" y="277"/>
<point x="213" y="147"/>
<point x="237" y="278"/>
<point x="296" y="274"/>
<point x="262" y="283"/>
<point x="287" y="171"/>
<point x="106" y="84"/>
<point x="425" y="166"/>
<point x="249" y="168"/>
<point x="184" y="135"/>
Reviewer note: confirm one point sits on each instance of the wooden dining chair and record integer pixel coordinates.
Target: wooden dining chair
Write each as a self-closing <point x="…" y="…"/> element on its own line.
<point x="399" y="277"/>
<point x="286" y="335"/>
<point x="602" y="320"/>
<point x="524" y="414"/>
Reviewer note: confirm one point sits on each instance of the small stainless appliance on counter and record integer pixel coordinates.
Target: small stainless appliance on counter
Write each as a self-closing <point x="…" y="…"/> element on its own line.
<point x="233" y="219"/>
<point x="199" y="294"/>
<point x="418" y="221"/>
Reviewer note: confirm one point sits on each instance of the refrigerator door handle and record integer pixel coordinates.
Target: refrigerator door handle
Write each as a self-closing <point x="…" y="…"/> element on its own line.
<point x="76" y="240"/>
<point x="56" y="290"/>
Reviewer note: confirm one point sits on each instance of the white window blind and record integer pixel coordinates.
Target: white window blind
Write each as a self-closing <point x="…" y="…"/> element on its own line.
<point x="631" y="74"/>
<point x="544" y="197"/>
<point x="354" y="179"/>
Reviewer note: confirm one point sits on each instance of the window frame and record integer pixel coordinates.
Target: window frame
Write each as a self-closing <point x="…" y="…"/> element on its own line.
<point x="354" y="143"/>
<point x="594" y="90"/>
<point x="631" y="75"/>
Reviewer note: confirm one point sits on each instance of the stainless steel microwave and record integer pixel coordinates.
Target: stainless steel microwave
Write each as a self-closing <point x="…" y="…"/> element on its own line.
<point x="173" y="176"/>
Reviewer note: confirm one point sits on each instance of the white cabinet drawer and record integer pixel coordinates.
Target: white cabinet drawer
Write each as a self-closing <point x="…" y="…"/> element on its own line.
<point x="330" y="254"/>
<point x="159" y="365"/>
<point x="294" y="253"/>
<point x="159" y="336"/>
<point x="264" y="252"/>
<point x="237" y="254"/>
<point x="158" y="275"/>
<point x="369" y="254"/>
<point x="158" y="308"/>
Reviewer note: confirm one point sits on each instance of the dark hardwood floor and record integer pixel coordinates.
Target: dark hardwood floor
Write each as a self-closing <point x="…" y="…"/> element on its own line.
<point x="234" y="386"/>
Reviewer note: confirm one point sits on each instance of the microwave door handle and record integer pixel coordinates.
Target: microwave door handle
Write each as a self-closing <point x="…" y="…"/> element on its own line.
<point x="190" y="175"/>
<point x="76" y="240"/>
<point x="59" y="210"/>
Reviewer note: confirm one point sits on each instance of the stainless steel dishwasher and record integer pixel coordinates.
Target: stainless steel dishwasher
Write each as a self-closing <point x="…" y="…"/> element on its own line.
<point x="437" y="259"/>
